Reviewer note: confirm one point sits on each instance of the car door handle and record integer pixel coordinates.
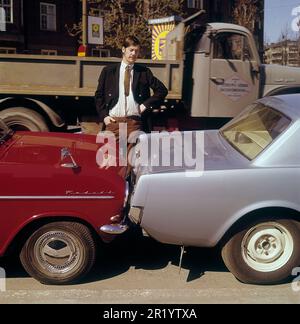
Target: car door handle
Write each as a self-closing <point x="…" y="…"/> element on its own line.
<point x="217" y="80"/>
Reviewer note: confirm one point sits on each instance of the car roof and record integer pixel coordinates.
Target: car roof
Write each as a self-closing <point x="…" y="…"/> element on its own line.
<point x="289" y="105"/>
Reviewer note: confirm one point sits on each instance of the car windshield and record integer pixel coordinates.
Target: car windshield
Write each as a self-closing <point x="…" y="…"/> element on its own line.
<point x="255" y="129"/>
<point x="4" y="131"/>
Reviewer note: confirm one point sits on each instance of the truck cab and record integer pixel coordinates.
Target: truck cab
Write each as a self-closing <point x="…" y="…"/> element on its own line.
<point x="226" y="72"/>
<point x="222" y="71"/>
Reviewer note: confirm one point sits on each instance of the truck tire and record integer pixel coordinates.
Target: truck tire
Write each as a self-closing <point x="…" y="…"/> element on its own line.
<point x="59" y="253"/>
<point x="24" y="119"/>
<point x="263" y="253"/>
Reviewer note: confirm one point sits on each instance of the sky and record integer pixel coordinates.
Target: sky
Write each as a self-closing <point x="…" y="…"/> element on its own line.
<point x="280" y="15"/>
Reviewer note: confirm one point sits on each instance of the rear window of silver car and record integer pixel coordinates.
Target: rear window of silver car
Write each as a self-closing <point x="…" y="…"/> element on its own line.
<point x="255" y="129"/>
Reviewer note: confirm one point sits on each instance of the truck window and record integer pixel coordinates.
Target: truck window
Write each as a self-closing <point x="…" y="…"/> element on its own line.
<point x="230" y="46"/>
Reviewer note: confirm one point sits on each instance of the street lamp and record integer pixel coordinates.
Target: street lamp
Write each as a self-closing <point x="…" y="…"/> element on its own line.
<point x="84" y="24"/>
<point x="82" y="47"/>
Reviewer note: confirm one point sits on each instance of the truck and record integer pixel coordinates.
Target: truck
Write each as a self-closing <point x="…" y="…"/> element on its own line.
<point x="212" y="71"/>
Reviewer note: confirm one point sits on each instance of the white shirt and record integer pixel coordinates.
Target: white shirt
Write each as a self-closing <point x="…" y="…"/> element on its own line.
<point x="126" y="106"/>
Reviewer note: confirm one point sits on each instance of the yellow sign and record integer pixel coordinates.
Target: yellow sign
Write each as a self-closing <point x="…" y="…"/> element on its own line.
<point x="96" y="30"/>
<point x="159" y="34"/>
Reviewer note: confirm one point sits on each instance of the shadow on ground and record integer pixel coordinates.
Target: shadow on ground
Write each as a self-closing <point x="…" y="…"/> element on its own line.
<point x="132" y="249"/>
<point x="135" y="250"/>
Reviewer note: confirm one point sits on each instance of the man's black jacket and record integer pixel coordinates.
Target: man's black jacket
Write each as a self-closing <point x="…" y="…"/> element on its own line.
<point x="107" y="93"/>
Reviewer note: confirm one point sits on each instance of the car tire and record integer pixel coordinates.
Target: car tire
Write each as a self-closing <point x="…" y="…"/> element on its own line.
<point x="24" y="119"/>
<point x="263" y="253"/>
<point x="59" y="253"/>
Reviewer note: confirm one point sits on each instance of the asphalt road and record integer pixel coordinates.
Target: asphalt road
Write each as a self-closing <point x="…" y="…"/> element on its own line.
<point x="139" y="270"/>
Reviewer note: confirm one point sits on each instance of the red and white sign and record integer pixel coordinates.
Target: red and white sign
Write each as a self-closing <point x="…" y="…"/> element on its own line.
<point x="82" y="50"/>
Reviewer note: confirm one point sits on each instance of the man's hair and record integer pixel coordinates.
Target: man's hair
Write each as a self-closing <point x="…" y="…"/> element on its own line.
<point x="131" y="41"/>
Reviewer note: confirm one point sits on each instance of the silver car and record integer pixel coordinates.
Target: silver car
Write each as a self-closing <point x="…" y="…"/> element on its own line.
<point x="242" y="194"/>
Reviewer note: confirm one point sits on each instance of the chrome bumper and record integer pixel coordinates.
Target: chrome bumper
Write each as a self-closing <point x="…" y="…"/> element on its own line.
<point x="114" y="228"/>
<point x="117" y="227"/>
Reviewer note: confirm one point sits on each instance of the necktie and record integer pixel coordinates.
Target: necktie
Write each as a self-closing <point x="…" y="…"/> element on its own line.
<point x="127" y="80"/>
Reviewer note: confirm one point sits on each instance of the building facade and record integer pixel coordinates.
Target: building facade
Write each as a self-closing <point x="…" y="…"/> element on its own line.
<point x="40" y="27"/>
<point x="283" y="53"/>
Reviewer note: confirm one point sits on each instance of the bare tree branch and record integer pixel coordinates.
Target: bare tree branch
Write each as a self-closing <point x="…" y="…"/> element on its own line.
<point x="116" y="25"/>
<point x="245" y="13"/>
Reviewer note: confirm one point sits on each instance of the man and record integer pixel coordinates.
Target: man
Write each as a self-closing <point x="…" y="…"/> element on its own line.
<point x="123" y="93"/>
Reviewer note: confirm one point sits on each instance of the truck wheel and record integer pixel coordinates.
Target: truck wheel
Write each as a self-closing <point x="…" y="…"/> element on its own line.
<point x="24" y="119"/>
<point x="59" y="253"/>
<point x="264" y="253"/>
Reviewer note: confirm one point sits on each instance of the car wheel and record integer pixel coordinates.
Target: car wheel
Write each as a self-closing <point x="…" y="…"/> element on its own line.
<point x="263" y="253"/>
<point x="59" y="253"/>
<point x="24" y="119"/>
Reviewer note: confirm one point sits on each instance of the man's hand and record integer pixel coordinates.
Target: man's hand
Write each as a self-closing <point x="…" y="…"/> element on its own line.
<point x="107" y="120"/>
<point x="142" y="108"/>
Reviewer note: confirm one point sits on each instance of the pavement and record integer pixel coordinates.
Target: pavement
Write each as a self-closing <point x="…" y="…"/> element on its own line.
<point x="139" y="271"/>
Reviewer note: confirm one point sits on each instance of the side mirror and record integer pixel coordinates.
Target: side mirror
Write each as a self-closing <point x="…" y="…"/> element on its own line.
<point x="255" y="67"/>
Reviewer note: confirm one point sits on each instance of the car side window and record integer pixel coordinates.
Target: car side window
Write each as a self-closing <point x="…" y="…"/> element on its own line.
<point x="231" y="46"/>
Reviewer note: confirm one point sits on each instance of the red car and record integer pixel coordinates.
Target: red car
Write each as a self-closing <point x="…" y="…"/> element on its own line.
<point x="55" y="201"/>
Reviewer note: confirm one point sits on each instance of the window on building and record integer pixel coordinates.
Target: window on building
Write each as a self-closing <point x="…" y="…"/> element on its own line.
<point x="103" y="13"/>
<point x="195" y="4"/>
<point x="47" y="16"/>
<point x="96" y="52"/>
<point x="22" y="13"/>
<point x="7" y="5"/>
<point x="48" y="52"/>
<point x="2" y="20"/>
<point x="7" y="50"/>
<point x="98" y="12"/>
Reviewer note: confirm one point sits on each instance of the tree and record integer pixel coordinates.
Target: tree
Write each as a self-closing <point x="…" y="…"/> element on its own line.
<point x="283" y="41"/>
<point x="129" y="17"/>
<point x="245" y="13"/>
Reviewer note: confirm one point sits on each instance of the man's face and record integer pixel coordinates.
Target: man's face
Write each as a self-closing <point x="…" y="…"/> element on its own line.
<point x="130" y="54"/>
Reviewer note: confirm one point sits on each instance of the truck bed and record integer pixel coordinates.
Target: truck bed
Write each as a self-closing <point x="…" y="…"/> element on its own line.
<point x="71" y="75"/>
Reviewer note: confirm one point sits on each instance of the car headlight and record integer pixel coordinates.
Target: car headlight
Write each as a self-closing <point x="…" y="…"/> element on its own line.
<point x="136" y="214"/>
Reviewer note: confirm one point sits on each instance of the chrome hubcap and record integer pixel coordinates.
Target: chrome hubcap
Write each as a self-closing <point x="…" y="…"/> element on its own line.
<point x="267" y="247"/>
<point x="58" y="252"/>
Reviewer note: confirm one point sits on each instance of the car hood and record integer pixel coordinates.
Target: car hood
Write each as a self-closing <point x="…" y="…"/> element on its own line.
<point x="46" y="148"/>
<point x="199" y="151"/>
<point x="34" y="166"/>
